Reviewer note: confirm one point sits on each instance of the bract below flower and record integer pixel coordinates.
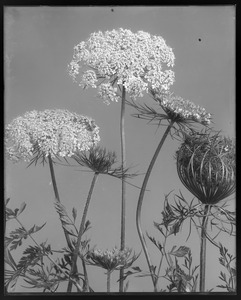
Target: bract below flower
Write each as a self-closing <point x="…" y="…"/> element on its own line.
<point x="49" y="132"/>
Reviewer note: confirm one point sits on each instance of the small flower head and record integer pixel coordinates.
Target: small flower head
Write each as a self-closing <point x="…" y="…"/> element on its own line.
<point x="181" y="109"/>
<point x="183" y="113"/>
<point x="99" y="160"/>
<point x="135" y="60"/>
<point x="111" y="260"/>
<point x="207" y="167"/>
<point x="49" y="132"/>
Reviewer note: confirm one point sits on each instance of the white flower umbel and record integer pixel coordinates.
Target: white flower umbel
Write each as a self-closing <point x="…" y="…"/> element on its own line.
<point x="49" y="132"/>
<point x="124" y="63"/>
<point x="135" y="60"/>
<point x="111" y="260"/>
<point x="181" y="109"/>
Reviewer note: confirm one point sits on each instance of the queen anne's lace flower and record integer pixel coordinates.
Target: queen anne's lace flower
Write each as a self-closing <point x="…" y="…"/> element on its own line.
<point x="89" y="79"/>
<point x="206" y="166"/>
<point x="183" y="109"/>
<point x="49" y="132"/>
<point x="111" y="259"/>
<point x="134" y="60"/>
<point x="135" y="86"/>
<point x="108" y="93"/>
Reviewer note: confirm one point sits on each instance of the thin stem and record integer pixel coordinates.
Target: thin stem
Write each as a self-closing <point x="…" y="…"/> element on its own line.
<point x="123" y="189"/>
<point x="56" y="193"/>
<point x="81" y="231"/>
<point x="140" y="201"/>
<point x="108" y="281"/>
<point x="87" y="288"/>
<point x="57" y="266"/>
<point x="203" y="248"/>
<point x="163" y="252"/>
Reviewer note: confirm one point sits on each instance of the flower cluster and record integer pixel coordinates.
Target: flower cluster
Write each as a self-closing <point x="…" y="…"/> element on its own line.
<point x="89" y="79"/>
<point x="182" y="109"/>
<point x="206" y="166"/>
<point x="134" y="60"/>
<point x="108" y="93"/>
<point x="49" y="132"/>
<point x="111" y="259"/>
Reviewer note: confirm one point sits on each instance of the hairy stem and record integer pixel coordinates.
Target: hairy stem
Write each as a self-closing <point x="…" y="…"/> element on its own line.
<point x="81" y="231"/>
<point x="140" y="201"/>
<point x="56" y="193"/>
<point x="123" y="190"/>
<point x="203" y="249"/>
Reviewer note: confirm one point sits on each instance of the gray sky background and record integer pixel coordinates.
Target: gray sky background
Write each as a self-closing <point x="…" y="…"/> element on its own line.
<point x="39" y="45"/>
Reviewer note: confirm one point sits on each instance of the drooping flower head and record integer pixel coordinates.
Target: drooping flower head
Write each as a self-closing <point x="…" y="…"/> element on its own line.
<point x="111" y="260"/>
<point x="120" y="57"/>
<point x="49" y="132"/>
<point x="206" y="166"/>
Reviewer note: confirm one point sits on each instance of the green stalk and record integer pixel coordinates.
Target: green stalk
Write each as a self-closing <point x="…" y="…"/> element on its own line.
<point x="123" y="190"/>
<point x="81" y="231"/>
<point x="203" y="249"/>
<point x="56" y="193"/>
<point x="108" y="281"/>
<point x="140" y="201"/>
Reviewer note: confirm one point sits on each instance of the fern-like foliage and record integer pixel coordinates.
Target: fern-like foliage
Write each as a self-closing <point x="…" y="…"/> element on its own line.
<point x="12" y="214"/>
<point x="229" y="277"/>
<point x="33" y="255"/>
<point x="66" y="221"/>
<point x="180" y="280"/>
<point x="16" y="236"/>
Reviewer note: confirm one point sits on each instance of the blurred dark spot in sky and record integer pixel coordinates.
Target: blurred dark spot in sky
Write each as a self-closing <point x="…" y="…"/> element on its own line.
<point x="199" y="40"/>
<point x="112" y="9"/>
